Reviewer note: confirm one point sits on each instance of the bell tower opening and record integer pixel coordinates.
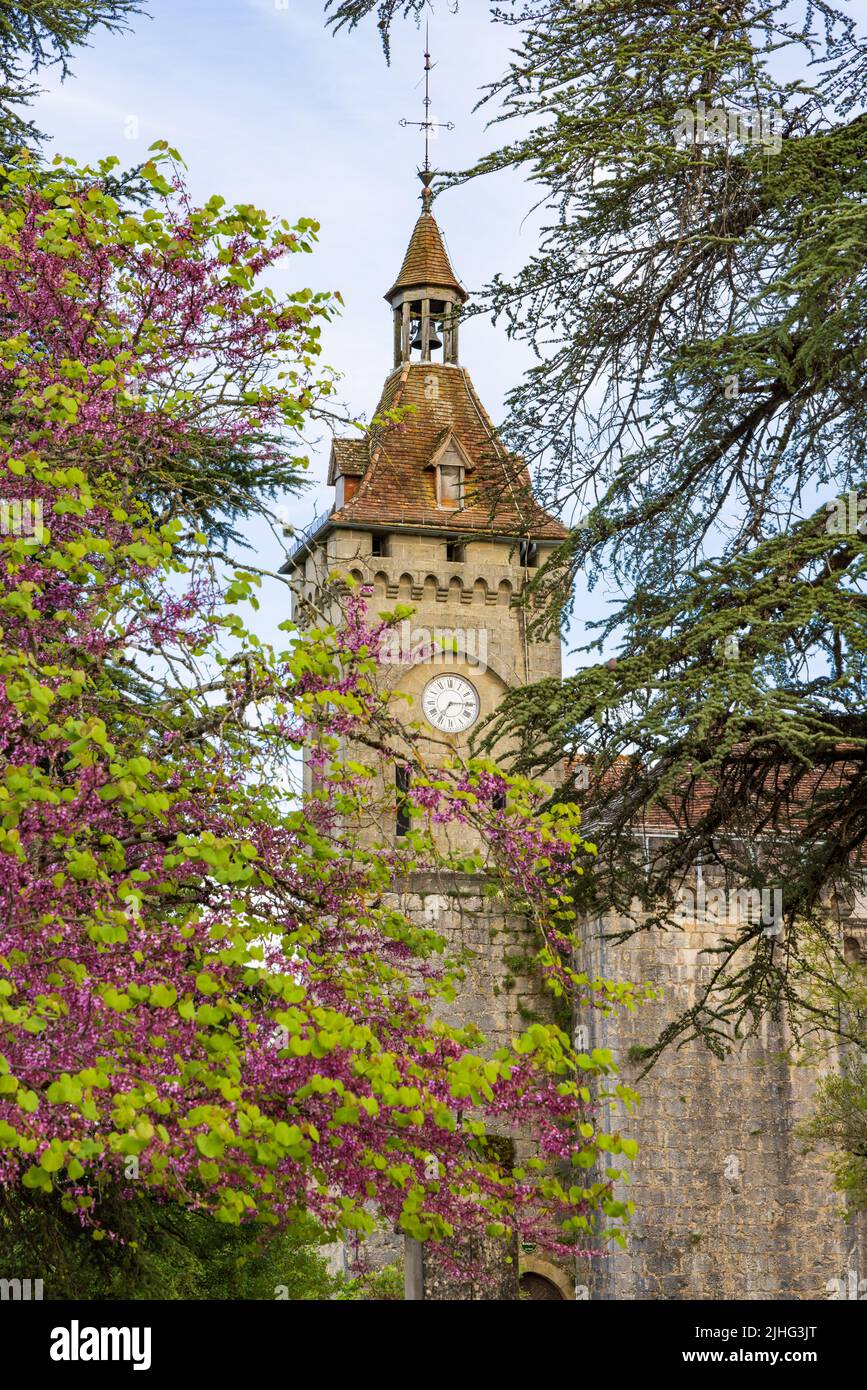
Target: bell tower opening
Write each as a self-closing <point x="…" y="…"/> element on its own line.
<point x="426" y="297"/>
<point x="426" y="326"/>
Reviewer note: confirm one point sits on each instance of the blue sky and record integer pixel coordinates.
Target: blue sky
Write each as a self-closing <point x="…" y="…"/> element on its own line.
<point x="267" y="106"/>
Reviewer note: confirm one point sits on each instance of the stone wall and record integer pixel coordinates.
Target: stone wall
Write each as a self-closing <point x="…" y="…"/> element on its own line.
<point x="727" y="1204"/>
<point x="501" y="995"/>
<point x="477" y="593"/>
<point x="470" y="604"/>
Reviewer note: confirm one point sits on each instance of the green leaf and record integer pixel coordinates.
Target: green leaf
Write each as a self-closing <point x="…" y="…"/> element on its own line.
<point x="210" y="1145"/>
<point x="37" y="1178"/>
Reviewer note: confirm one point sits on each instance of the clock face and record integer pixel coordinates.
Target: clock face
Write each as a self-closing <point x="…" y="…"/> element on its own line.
<point x="450" y="704"/>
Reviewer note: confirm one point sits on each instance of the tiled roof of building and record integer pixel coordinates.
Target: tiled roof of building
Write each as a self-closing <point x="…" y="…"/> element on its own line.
<point x="349" y="459"/>
<point x="426" y="261"/>
<point x="399" y="485"/>
<point x="784" y="788"/>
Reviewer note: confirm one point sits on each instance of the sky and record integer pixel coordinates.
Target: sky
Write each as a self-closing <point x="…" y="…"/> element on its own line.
<point x="267" y="106"/>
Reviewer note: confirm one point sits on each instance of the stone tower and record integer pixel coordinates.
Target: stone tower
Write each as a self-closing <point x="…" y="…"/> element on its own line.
<point x="433" y="511"/>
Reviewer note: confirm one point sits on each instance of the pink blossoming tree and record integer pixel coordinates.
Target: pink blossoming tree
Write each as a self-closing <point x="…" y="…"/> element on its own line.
<point x="206" y="993"/>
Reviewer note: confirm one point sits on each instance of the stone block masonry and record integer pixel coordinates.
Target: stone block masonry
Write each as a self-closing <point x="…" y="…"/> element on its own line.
<point x="728" y="1205"/>
<point x="501" y="995"/>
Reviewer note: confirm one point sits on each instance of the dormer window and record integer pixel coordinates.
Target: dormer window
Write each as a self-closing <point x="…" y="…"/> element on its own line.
<point x="450" y="465"/>
<point x="451" y="485"/>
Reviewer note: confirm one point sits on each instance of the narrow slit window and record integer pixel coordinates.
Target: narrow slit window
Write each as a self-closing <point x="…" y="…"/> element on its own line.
<point x="401" y="778"/>
<point x="528" y="552"/>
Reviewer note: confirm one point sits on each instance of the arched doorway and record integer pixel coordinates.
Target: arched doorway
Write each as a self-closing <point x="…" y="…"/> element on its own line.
<point x="537" y="1286"/>
<point x="541" y="1278"/>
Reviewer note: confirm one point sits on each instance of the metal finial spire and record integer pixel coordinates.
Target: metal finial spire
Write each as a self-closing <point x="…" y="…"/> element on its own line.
<point x="427" y="125"/>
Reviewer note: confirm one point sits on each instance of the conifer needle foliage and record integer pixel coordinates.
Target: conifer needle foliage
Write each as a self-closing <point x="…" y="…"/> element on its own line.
<point x="37" y="34"/>
<point x="699" y="412"/>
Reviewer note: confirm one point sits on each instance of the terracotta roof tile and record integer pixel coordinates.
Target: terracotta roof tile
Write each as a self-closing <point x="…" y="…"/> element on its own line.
<point x="696" y="798"/>
<point x="399" y="486"/>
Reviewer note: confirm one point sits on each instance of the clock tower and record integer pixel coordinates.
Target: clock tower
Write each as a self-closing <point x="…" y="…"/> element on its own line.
<point x="432" y="511"/>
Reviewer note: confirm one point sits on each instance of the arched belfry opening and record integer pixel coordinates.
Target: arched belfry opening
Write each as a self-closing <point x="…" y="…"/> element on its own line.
<point x="431" y="325"/>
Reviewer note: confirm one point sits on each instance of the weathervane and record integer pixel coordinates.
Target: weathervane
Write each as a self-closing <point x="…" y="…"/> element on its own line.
<point x="427" y="125"/>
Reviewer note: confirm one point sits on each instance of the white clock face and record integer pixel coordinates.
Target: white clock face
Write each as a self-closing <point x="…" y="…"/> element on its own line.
<point x="450" y="704"/>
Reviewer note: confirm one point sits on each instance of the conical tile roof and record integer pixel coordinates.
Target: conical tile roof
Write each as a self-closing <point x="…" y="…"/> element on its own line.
<point x="426" y="261"/>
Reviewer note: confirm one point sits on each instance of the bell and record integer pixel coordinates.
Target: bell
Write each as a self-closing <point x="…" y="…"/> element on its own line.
<point x="433" y="340"/>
